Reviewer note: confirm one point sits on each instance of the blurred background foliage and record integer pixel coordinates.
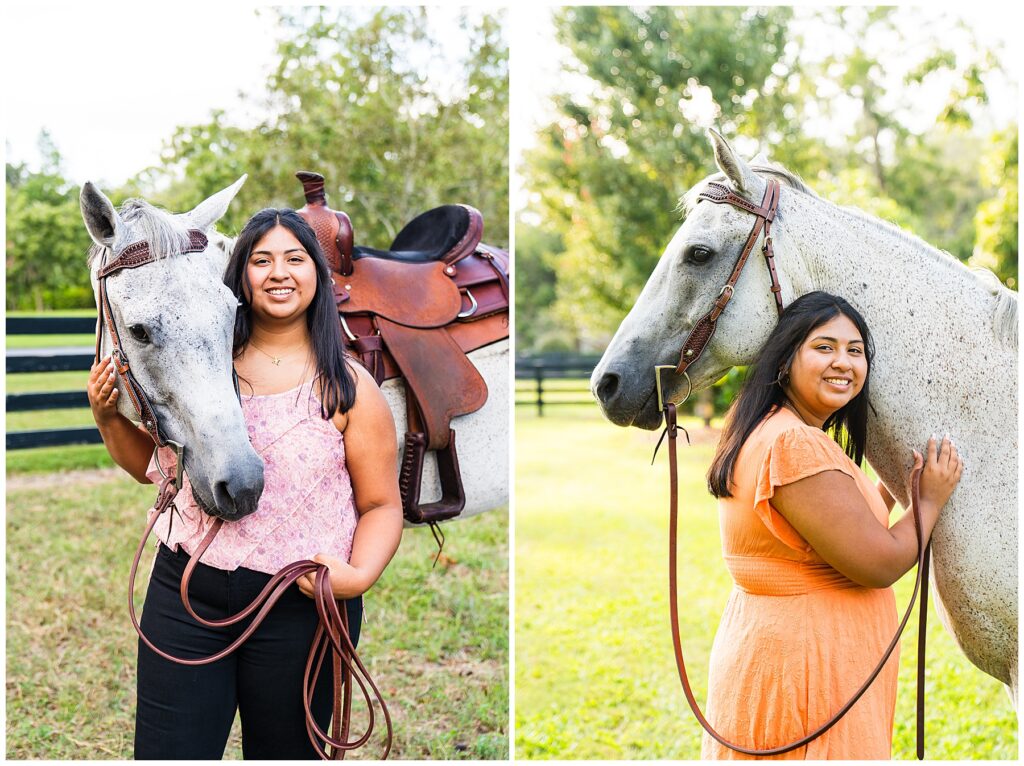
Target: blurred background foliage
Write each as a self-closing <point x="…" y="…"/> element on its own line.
<point x="844" y="97"/>
<point x="354" y="95"/>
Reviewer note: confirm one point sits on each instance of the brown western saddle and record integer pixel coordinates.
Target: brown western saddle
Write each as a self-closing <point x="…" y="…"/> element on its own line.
<point x="414" y="312"/>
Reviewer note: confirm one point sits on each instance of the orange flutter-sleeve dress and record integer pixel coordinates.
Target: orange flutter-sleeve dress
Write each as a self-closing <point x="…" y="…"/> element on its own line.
<point x="797" y="638"/>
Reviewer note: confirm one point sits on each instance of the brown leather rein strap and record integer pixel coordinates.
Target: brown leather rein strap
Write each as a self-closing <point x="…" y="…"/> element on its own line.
<point x="331" y="634"/>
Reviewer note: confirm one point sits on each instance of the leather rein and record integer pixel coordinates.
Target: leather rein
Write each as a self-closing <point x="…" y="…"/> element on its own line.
<point x="693" y="347"/>
<point x="332" y="633"/>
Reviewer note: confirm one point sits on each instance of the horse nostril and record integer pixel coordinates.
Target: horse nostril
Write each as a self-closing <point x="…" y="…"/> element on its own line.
<point x="608" y="387"/>
<point x="236" y="501"/>
<point x="222" y="497"/>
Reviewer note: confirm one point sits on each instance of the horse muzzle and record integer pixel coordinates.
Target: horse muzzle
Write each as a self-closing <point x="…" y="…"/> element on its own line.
<point x="234" y="496"/>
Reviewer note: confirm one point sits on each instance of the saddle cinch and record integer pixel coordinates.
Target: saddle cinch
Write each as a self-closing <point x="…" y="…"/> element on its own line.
<point x="414" y="312"/>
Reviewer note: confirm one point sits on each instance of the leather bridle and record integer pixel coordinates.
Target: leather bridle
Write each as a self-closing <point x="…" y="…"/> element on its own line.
<point x="693" y="347"/>
<point x="132" y="257"/>
<point x="332" y="633"/>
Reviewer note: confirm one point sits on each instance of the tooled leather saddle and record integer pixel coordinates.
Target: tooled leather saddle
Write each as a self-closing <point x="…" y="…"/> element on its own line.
<point x="414" y="311"/>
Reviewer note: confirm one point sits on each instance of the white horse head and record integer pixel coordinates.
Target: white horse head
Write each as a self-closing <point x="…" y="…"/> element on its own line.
<point x="946" y="361"/>
<point x="175" y="318"/>
<point x="684" y="285"/>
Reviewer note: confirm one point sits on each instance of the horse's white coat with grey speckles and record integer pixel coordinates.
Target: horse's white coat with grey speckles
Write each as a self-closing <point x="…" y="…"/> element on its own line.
<point x="188" y="313"/>
<point x="946" y="361"/>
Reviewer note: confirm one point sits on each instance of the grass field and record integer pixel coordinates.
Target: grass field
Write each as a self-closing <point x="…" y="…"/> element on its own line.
<point x="435" y="640"/>
<point x="43" y="341"/>
<point x="595" y="676"/>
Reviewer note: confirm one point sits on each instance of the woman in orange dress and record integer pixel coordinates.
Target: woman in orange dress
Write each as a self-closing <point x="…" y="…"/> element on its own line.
<point x="806" y="538"/>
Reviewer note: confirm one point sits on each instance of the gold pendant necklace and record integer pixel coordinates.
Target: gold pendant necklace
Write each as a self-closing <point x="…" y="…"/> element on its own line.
<point x="275" y="359"/>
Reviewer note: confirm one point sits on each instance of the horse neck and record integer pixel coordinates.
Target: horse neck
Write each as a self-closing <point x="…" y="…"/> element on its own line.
<point x="909" y="287"/>
<point x="941" y="363"/>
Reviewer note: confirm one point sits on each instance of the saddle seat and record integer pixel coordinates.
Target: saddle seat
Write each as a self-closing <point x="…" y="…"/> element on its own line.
<point x="414" y="312"/>
<point x="447" y="233"/>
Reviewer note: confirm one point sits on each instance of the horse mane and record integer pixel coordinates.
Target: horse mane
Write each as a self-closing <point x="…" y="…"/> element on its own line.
<point x="1004" y="312"/>
<point x="166" y="234"/>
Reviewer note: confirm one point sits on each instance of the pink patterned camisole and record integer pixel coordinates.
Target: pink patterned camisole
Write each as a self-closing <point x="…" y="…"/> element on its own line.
<point x="307" y="506"/>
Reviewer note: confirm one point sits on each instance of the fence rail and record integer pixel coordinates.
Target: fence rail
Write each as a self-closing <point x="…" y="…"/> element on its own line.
<point x="555" y="367"/>
<point x="51" y="325"/>
<point x="63" y="359"/>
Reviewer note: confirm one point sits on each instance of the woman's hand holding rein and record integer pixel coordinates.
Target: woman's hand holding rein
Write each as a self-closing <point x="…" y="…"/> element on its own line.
<point x="128" y="445"/>
<point x="347" y="581"/>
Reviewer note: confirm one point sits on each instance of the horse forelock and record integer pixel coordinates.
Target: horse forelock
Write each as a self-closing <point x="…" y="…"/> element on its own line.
<point x="166" y="234"/>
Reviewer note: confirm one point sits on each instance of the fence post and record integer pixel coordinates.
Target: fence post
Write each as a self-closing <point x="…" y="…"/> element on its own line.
<point x="538" y="374"/>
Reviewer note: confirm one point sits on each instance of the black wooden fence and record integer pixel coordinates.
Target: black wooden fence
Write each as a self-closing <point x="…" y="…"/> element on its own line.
<point x="50" y="360"/>
<point x="552" y="367"/>
<point x="548" y="367"/>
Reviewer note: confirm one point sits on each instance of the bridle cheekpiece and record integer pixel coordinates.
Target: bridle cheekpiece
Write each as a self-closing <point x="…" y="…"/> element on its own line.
<point x="130" y="257"/>
<point x="700" y="336"/>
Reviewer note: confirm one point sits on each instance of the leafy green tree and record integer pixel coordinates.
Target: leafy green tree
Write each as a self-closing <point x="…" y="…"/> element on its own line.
<point x="535" y="286"/>
<point x="46" y="242"/>
<point x="932" y="175"/>
<point x="997" y="217"/>
<point x="606" y="176"/>
<point x="354" y="96"/>
<point x="372" y="99"/>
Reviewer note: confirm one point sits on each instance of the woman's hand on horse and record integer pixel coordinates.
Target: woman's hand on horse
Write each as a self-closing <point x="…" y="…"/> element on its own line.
<point x="346" y="580"/>
<point x="942" y="468"/>
<point x="102" y="391"/>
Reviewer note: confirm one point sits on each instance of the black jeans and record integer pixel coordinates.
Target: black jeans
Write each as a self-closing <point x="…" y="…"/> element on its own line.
<point x="186" y="712"/>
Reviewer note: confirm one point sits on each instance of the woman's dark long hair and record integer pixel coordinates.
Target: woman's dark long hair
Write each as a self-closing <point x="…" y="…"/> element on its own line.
<point x="337" y="385"/>
<point x="762" y="391"/>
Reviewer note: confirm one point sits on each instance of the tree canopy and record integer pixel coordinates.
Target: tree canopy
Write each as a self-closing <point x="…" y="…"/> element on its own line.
<point x="605" y="175"/>
<point x="395" y="119"/>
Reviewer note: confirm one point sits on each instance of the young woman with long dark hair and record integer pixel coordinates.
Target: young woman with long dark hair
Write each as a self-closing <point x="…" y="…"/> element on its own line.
<point x="807" y="540"/>
<point x="327" y="439"/>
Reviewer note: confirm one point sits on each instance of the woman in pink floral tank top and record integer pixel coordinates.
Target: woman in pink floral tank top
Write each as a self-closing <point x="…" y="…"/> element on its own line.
<point x="328" y="444"/>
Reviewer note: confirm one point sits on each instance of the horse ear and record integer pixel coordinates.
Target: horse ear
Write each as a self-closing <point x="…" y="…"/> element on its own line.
<point x="730" y="163"/>
<point x="208" y="212"/>
<point x="101" y="219"/>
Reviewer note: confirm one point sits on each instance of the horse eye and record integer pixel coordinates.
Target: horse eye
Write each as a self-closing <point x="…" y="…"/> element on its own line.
<point x="698" y="254"/>
<point x="139" y="333"/>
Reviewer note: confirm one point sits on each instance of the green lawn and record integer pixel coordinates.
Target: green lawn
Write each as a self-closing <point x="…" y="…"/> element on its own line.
<point x="90" y="312"/>
<point x="38" y="419"/>
<point x="595" y="676"/>
<point x="435" y="640"/>
<point x="40" y="382"/>
<point x="48" y="341"/>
